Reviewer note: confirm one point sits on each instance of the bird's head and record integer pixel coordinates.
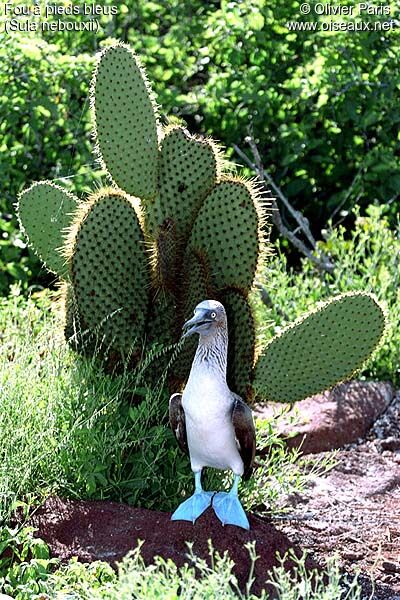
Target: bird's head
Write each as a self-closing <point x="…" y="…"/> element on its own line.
<point x="209" y="317"/>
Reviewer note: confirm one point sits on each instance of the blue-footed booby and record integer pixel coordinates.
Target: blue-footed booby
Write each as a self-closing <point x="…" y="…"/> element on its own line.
<point x="210" y="422"/>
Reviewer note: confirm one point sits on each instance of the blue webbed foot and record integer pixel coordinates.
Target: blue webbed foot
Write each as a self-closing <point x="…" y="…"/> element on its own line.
<point x="193" y="507"/>
<point x="229" y="511"/>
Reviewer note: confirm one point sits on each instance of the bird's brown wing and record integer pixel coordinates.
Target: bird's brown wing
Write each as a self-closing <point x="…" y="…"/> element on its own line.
<point x="177" y="421"/>
<point x="245" y="433"/>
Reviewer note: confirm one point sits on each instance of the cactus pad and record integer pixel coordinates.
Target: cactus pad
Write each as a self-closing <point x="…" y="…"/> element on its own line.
<point x="241" y="344"/>
<point x="108" y="270"/>
<point x="125" y="121"/>
<point x="319" y="350"/>
<point x="189" y="167"/>
<point x="45" y="210"/>
<point x="228" y="231"/>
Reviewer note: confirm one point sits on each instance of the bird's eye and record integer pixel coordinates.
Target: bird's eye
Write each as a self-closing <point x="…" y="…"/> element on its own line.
<point x="213" y="315"/>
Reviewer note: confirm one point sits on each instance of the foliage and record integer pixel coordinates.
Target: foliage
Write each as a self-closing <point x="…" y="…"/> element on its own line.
<point x="323" y="106"/>
<point x="315" y="585"/>
<point x="24" y="562"/>
<point x="367" y="259"/>
<point x="43" y="94"/>
<point x="164" y="580"/>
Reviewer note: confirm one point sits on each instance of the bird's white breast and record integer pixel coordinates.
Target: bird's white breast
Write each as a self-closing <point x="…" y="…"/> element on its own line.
<point x="207" y="403"/>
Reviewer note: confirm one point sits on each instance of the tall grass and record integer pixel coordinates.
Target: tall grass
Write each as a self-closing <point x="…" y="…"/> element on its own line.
<point x="67" y="428"/>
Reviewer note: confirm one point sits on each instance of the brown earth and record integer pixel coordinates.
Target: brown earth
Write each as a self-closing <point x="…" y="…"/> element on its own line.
<point x="353" y="512"/>
<point x="108" y="531"/>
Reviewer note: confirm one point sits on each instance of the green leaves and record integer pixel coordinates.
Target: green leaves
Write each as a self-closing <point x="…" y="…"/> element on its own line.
<point x="42" y="96"/>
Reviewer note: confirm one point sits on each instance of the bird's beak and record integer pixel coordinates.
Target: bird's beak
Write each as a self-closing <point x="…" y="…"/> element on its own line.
<point x="194" y="324"/>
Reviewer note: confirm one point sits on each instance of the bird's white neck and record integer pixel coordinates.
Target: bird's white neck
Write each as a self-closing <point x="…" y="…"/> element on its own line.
<point x="212" y="353"/>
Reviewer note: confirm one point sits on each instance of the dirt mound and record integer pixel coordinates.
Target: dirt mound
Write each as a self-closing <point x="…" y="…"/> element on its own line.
<point x="108" y="531"/>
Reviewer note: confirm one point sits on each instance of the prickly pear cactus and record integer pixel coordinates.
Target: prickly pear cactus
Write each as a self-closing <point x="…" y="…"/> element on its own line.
<point x="174" y="228"/>
<point x="47" y="211"/>
<point x="320" y="349"/>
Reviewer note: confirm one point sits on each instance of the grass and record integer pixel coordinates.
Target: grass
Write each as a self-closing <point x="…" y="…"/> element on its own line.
<point x="69" y="429"/>
<point x="31" y="573"/>
<point x="315" y="585"/>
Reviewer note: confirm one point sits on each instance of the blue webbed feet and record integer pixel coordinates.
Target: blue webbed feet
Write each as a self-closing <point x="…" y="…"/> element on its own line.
<point x="227" y="506"/>
<point x="228" y="509"/>
<point x="193" y="507"/>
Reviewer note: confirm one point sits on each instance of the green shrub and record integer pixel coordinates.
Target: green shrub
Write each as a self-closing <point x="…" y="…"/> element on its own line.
<point x="44" y="95"/>
<point x="25" y="562"/>
<point x="366" y="259"/>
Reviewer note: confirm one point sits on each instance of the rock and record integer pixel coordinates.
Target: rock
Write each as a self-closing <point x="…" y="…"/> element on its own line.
<point x="332" y="419"/>
<point x="390" y="566"/>
<point x="107" y="531"/>
<point x="352" y="555"/>
<point x="391" y="443"/>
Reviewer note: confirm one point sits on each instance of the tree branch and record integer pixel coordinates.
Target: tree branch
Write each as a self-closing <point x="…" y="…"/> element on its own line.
<point x="321" y="261"/>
